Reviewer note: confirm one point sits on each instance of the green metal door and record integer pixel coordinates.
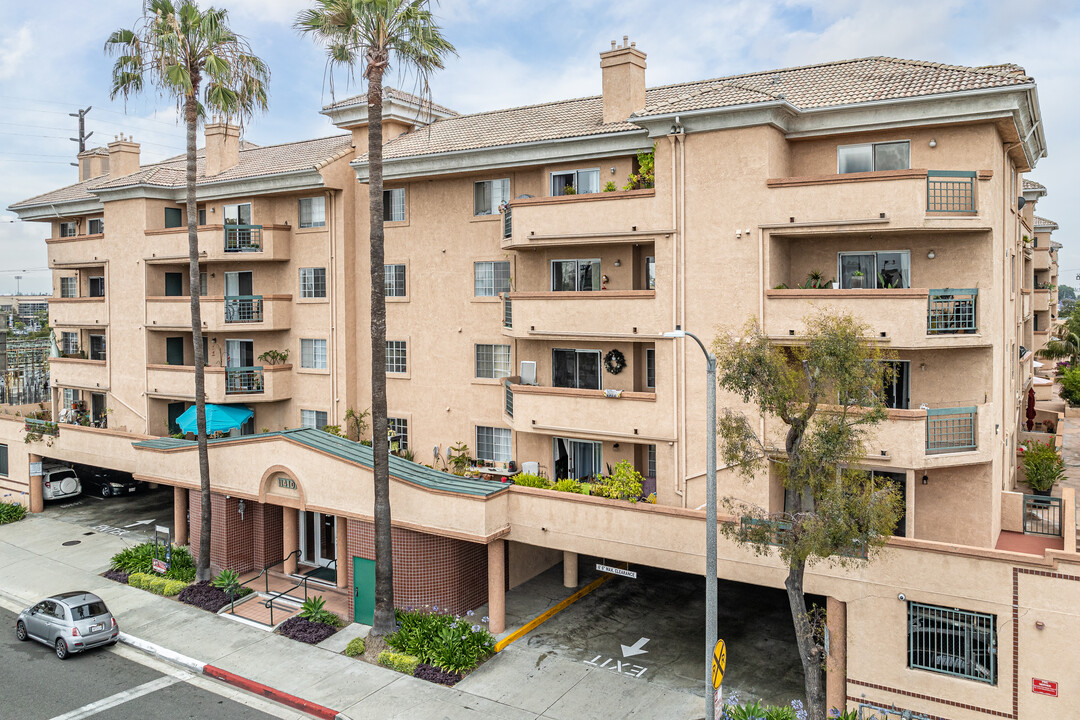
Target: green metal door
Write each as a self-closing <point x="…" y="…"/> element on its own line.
<point x="363" y="590"/>
<point x="174" y="284"/>
<point x="174" y="351"/>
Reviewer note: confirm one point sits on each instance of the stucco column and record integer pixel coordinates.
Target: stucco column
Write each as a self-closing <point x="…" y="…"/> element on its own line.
<point x="341" y="547"/>
<point x="37" y="502"/>
<point x="569" y="569"/>
<point x="179" y="515"/>
<point x="836" y="664"/>
<point x="497" y="586"/>
<point x="909" y="498"/>
<point x="290" y="537"/>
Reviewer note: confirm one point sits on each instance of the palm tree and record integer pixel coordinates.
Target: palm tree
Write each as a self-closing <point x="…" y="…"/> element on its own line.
<point x="194" y="56"/>
<point x="371" y="34"/>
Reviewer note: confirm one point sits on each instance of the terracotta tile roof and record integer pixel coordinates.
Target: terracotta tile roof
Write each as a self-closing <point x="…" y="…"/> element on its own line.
<point x="69" y="193"/>
<point x="1043" y="222"/>
<point x="1032" y="185"/>
<point x="390" y="93"/>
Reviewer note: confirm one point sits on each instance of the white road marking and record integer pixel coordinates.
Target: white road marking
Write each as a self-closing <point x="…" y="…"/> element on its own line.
<point x="635" y="649"/>
<point x="126" y="696"/>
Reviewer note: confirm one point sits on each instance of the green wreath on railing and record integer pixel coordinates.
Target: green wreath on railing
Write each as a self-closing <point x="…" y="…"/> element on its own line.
<point x="614" y="362"/>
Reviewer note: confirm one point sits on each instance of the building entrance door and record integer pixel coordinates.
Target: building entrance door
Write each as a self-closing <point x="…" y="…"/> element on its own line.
<point x="317" y="538"/>
<point x="363" y="590"/>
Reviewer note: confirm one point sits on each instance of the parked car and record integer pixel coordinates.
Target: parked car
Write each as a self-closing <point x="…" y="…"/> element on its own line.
<point x="104" y="481"/>
<point x="70" y="623"/>
<point x="59" y="481"/>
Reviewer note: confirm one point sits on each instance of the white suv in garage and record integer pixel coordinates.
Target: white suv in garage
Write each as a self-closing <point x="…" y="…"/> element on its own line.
<point x="59" y="481"/>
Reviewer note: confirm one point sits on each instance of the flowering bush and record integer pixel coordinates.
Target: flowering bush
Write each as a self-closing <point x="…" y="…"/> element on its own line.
<point x="449" y="642"/>
<point x="306" y="631"/>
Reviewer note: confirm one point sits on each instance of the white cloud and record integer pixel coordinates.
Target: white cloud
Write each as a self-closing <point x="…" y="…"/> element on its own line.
<point x="14" y="48"/>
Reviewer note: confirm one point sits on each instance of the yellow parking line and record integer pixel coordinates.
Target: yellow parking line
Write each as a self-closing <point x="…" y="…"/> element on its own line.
<point x="541" y="619"/>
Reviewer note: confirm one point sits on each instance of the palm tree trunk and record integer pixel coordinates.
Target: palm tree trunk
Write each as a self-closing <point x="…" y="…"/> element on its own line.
<point x="809" y="650"/>
<point x="384" y="622"/>
<point x="191" y="119"/>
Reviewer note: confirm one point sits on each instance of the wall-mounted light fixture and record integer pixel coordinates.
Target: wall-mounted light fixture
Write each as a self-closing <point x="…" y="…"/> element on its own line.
<point x="240" y="508"/>
<point x="933" y="143"/>
<point x="925" y="479"/>
<point x="618" y="263"/>
<point x="930" y="255"/>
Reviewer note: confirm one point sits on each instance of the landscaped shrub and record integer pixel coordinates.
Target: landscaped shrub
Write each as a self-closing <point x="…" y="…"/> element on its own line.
<point x="1070" y="385"/>
<point x="435" y="675"/>
<point x="139" y="558"/>
<point x="312" y="610"/>
<point x="306" y="631"/>
<point x="530" y="480"/>
<point x="624" y="483"/>
<point x="569" y="485"/>
<point x="1043" y="466"/>
<point x="355" y="648"/>
<point x="119" y="576"/>
<point x="401" y="662"/>
<point x="445" y="641"/>
<point x="156" y="584"/>
<point x="205" y="596"/>
<point x="11" y="512"/>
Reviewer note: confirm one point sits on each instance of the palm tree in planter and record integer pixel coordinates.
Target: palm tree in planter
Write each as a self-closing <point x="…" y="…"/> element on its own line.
<point x="371" y="35"/>
<point x="191" y="55"/>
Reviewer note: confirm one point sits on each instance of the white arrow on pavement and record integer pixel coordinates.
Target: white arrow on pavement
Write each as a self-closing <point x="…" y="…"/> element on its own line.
<point x="141" y="522"/>
<point x="635" y="649"/>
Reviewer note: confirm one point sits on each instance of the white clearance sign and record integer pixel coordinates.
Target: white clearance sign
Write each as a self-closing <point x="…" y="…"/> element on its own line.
<point x="616" y="571"/>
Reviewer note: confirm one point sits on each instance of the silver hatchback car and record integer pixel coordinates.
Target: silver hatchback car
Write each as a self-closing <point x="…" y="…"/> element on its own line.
<point x="70" y="622"/>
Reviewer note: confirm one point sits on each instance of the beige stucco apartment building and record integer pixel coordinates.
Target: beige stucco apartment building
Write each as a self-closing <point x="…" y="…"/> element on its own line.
<point x="511" y="302"/>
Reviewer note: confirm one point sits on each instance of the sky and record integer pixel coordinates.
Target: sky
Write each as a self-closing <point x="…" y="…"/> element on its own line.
<point x="510" y="52"/>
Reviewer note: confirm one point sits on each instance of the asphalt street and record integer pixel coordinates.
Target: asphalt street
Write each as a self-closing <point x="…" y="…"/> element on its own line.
<point x="116" y="683"/>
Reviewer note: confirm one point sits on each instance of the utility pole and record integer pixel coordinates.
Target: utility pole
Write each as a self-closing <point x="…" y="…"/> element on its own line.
<point x="83" y="135"/>
<point x="18" y="278"/>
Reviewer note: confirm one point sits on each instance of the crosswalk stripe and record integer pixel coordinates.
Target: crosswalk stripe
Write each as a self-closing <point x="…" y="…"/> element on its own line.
<point x="122" y="697"/>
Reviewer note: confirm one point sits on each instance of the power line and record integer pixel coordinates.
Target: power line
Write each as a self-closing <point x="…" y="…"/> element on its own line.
<point x="57" y="112"/>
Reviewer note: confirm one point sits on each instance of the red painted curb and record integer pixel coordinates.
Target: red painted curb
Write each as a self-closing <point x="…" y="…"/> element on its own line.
<point x="268" y="692"/>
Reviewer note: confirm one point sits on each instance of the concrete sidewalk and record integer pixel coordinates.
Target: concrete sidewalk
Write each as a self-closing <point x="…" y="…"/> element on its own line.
<point x="35" y="563"/>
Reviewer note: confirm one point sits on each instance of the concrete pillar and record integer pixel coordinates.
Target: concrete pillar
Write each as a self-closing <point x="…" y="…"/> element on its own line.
<point x="37" y="501"/>
<point x="569" y="569"/>
<point x="179" y="515"/>
<point x="290" y="537"/>
<point x="497" y="586"/>
<point x="836" y="664"/>
<point x="341" y="547"/>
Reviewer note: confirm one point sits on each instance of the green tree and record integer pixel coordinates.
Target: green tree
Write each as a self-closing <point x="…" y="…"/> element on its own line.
<point x="1066" y="342"/>
<point x="827" y="395"/>
<point x="1066" y="292"/>
<point x="191" y="55"/>
<point x="372" y="35"/>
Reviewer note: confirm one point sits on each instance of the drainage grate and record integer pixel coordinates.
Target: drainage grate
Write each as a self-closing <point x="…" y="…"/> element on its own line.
<point x="69" y="543"/>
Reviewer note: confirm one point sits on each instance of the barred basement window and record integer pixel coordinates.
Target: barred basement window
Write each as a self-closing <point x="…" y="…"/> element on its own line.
<point x="953" y="642"/>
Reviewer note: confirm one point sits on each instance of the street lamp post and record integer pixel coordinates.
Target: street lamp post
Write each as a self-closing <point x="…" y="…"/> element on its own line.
<point x="710" y="517"/>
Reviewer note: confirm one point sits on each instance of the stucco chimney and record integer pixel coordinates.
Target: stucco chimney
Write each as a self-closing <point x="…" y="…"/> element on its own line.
<point x="123" y="156"/>
<point x="623" y="68"/>
<point x="222" y="147"/>
<point x="93" y="163"/>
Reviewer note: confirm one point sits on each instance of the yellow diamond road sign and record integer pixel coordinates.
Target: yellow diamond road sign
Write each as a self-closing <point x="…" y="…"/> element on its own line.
<point x="719" y="663"/>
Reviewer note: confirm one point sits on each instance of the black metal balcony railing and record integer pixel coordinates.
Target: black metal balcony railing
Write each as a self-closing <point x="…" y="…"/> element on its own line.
<point x="243" y="380"/>
<point x="243" y="308"/>
<point x="508" y="312"/>
<point x="951" y="429"/>
<point x="952" y="310"/>
<point x="243" y="238"/>
<point x="508" y="226"/>
<point x="950" y="191"/>
<point x="509" y="402"/>
<point x="1042" y="515"/>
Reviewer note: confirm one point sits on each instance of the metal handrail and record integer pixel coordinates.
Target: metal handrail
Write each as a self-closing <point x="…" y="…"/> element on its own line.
<point x="243" y="308"/>
<point x="243" y="238"/>
<point x="243" y="380"/>
<point x="297" y="553"/>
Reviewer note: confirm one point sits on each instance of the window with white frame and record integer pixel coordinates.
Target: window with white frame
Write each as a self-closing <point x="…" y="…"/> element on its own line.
<point x="575" y="369"/>
<point x="69" y="343"/>
<point x="871" y="157"/>
<point x="881" y="270"/>
<point x="650" y="368"/>
<point x="575" y="275"/>
<point x="313" y="419"/>
<point x="397" y="432"/>
<point x="488" y="195"/>
<point x="651" y="451"/>
<point x="204" y="284"/>
<point x="650" y="273"/>
<point x="393" y="202"/>
<point x="313" y="354"/>
<point x="67" y="229"/>
<point x="3" y="460"/>
<point x="97" y="347"/>
<point x="492" y="361"/>
<point x="71" y="396"/>
<point x="493" y="444"/>
<point x="396" y="357"/>
<point x="95" y="226"/>
<point x="96" y="285"/>
<point x="581" y="181"/>
<point x="69" y="287"/>
<point x="312" y="282"/>
<point x="313" y="212"/>
<point x="491" y="278"/>
<point x="394" y="280"/>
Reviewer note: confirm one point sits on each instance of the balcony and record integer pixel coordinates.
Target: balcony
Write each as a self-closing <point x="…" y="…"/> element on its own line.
<point x="1041" y="300"/>
<point x="1041" y="258"/>
<point x="951" y="430"/>
<point x="586" y="414"/>
<point x="950" y="191"/>
<point x="222" y="243"/>
<point x="602" y="313"/>
<point x="595" y="218"/>
<point x="78" y="312"/>
<point x="221" y="314"/>
<point x="269" y="383"/>
<point x="77" y="251"/>
<point x="78" y="373"/>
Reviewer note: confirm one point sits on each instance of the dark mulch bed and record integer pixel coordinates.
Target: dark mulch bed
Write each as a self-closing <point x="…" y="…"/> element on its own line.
<point x="435" y="675"/>
<point x="306" y="631"/>
<point x="117" y="575"/>
<point x="206" y="596"/>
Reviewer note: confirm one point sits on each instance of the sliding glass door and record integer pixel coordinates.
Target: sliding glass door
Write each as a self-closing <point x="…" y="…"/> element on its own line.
<point x="575" y="369"/>
<point x="577" y="459"/>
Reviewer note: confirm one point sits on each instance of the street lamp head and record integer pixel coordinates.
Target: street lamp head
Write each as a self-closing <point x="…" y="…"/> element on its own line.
<point x="675" y="334"/>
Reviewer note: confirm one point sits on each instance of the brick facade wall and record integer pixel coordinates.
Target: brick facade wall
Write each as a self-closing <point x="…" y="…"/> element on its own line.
<point x="267" y="527"/>
<point x="232" y="536"/>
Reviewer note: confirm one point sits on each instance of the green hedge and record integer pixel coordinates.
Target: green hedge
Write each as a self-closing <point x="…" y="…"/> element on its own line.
<point x="156" y="584"/>
<point x="11" y="512"/>
<point x="399" y="661"/>
<point x="355" y="647"/>
<point x="139" y="559"/>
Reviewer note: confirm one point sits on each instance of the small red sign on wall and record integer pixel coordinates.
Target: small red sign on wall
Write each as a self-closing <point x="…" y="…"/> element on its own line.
<point x="1044" y="687"/>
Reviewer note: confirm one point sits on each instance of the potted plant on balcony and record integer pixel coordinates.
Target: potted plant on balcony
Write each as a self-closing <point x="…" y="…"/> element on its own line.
<point x="1043" y="466"/>
<point x="857" y="279"/>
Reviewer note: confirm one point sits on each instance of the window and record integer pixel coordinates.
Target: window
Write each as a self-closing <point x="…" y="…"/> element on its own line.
<point x="203" y="284"/>
<point x="174" y="217"/>
<point x="97" y="347"/>
<point x="575" y="275"/>
<point x="397" y="431"/>
<point x="393" y="203"/>
<point x="67" y="229"/>
<point x="575" y="369"/>
<point x="97" y="286"/>
<point x="394" y="279"/>
<point x="650" y="368"/>
<point x="873" y="157"/>
<point x="396" y="357"/>
<point x="491" y="278"/>
<point x="651" y="449"/>
<point x="875" y="270"/>
<point x="952" y="642"/>
<point x="69" y="287"/>
<point x="577" y="459"/>
<point x="493" y="444"/>
<point x="312" y="282"/>
<point x="239" y="214"/>
<point x="582" y="181"/>
<point x="95" y="226"/>
<point x="313" y="354"/>
<point x="312" y="212"/>
<point x="313" y="419"/>
<point x="3" y="460"/>
<point x="488" y="195"/>
<point x="202" y="215"/>
<point x="69" y="343"/>
<point x="492" y="361"/>
<point x="71" y="396"/>
<point x="650" y="273"/>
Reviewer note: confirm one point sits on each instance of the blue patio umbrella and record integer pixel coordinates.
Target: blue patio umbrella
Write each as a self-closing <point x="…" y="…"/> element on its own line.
<point x="219" y="418"/>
